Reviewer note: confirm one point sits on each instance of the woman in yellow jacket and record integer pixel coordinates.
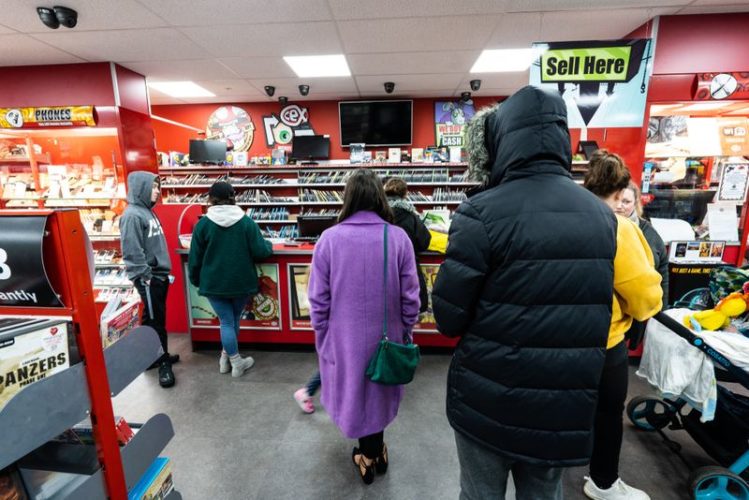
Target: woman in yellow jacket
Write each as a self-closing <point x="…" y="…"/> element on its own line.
<point x="639" y="282"/>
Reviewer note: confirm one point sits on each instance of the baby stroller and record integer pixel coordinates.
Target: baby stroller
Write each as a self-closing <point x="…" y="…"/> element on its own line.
<point x="725" y="439"/>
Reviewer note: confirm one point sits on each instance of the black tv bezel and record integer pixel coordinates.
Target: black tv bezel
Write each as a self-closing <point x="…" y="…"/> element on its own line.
<point x="208" y="162"/>
<point x="340" y="128"/>
<point x="324" y="136"/>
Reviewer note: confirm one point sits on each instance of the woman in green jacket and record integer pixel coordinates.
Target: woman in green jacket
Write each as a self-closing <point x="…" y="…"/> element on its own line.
<point x="225" y="246"/>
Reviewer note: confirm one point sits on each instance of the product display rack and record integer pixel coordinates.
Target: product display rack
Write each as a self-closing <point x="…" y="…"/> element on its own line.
<point x="46" y="408"/>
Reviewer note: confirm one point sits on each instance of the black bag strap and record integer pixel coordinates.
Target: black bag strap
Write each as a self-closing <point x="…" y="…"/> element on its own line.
<point x="385" y="283"/>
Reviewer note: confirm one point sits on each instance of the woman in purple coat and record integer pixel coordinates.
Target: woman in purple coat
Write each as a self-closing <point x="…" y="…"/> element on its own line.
<point x="347" y="302"/>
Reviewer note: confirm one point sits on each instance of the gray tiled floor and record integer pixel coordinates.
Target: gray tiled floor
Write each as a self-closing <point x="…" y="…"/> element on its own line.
<point x="246" y="438"/>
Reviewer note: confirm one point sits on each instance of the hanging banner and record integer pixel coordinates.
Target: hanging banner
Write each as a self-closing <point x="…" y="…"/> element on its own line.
<point x="604" y="82"/>
<point x="233" y="125"/>
<point x="450" y="119"/>
<point x="23" y="279"/>
<point x="280" y="129"/>
<point x="60" y="116"/>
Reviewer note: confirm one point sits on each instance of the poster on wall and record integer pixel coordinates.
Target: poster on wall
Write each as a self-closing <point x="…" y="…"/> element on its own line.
<point x="426" y="323"/>
<point x="232" y="124"/>
<point x="450" y="118"/>
<point x="298" y="299"/>
<point x="733" y="182"/>
<point x="667" y="136"/>
<point x="262" y="313"/>
<point x="733" y="135"/>
<point x="293" y="120"/>
<point x="58" y="116"/>
<point x="603" y="82"/>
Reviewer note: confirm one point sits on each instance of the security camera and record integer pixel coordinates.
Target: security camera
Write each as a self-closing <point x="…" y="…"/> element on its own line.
<point x="465" y="96"/>
<point x="270" y="90"/>
<point x="48" y="17"/>
<point x="283" y="100"/>
<point x="67" y="17"/>
<point x="304" y="90"/>
<point x="475" y="85"/>
<point x="389" y="87"/>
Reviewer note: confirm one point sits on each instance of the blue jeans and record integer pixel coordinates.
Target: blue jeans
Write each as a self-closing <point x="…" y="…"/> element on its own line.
<point x="229" y="311"/>
<point x="483" y="474"/>
<point x="314" y="384"/>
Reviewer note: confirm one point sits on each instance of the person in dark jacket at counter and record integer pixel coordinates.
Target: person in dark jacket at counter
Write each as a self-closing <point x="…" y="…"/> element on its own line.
<point x="406" y="217"/>
<point x="527" y="285"/>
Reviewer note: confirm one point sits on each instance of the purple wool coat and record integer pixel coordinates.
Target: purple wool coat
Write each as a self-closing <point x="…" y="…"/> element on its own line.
<point x="347" y="309"/>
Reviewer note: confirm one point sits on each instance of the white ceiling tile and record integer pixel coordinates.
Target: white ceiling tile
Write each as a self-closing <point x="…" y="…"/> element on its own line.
<point x="409" y="83"/>
<point x="417" y="34"/>
<point x="368" y="9"/>
<point x="591" y="25"/>
<point x="516" y="31"/>
<point x="218" y="13"/>
<point x="92" y="15"/>
<point x="231" y="87"/>
<point x="324" y="96"/>
<point x="714" y="9"/>
<point x="587" y="5"/>
<point x="504" y="91"/>
<point x="697" y="3"/>
<point x="226" y="99"/>
<point x="157" y="98"/>
<point x="446" y="93"/>
<point x="156" y="44"/>
<point x="412" y="62"/>
<point x="516" y="79"/>
<point x="287" y="39"/>
<point x="290" y="86"/>
<point x="200" y="69"/>
<point x="5" y="30"/>
<point x="22" y="50"/>
<point x="259" y="67"/>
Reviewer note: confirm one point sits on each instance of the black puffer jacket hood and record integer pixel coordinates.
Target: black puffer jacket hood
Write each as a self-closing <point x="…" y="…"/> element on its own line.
<point x="525" y="134"/>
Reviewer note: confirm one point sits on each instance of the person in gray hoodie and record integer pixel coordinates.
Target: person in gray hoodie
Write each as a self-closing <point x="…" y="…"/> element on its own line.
<point x="146" y="259"/>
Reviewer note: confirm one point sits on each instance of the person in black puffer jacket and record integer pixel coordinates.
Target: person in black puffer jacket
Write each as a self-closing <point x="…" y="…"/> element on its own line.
<point x="527" y="284"/>
<point x="407" y="219"/>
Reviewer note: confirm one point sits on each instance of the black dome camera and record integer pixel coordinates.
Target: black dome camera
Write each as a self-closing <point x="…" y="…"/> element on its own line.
<point x="270" y="90"/>
<point x="389" y="87"/>
<point x="475" y="85"/>
<point x="48" y="17"/>
<point x="304" y="90"/>
<point x="283" y="100"/>
<point x="465" y="96"/>
<point x="67" y="17"/>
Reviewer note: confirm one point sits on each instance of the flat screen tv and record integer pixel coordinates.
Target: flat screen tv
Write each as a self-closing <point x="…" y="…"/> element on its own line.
<point x="376" y="123"/>
<point x="310" y="147"/>
<point x="207" y="151"/>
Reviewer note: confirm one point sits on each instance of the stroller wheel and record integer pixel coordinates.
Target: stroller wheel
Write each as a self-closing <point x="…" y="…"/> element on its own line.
<point x="717" y="482"/>
<point x="649" y="414"/>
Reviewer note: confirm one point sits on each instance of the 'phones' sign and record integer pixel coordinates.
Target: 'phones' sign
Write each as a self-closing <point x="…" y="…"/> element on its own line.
<point x="23" y="279"/>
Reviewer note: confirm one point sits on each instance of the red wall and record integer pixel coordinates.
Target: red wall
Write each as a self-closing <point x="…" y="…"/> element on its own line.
<point x="56" y="85"/>
<point x="323" y="116"/>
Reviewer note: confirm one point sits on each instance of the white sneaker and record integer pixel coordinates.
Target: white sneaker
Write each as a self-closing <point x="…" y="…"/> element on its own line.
<point x="618" y="491"/>
<point x="239" y="365"/>
<point x="223" y="363"/>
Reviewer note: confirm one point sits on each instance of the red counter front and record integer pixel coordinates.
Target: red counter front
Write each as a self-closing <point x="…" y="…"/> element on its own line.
<point x="279" y="312"/>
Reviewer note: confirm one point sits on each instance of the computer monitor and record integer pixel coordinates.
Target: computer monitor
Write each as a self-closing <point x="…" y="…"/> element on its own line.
<point x="312" y="226"/>
<point x="207" y="151"/>
<point x="310" y="147"/>
<point x="685" y="204"/>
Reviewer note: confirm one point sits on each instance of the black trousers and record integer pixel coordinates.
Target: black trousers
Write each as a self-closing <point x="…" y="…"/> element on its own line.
<point x="154" y="308"/>
<point x="607" y="429"/>
<point x="371" y="446"/>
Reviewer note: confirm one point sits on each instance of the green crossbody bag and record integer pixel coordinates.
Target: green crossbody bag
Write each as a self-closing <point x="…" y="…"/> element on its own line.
<point x="392" y="363"/>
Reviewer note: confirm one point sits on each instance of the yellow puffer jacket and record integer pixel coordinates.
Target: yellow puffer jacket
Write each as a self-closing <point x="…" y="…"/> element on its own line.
<point x="637" y="285"/>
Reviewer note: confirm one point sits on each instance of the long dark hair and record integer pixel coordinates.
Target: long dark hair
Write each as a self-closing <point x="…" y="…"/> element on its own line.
<point x="364" y="192"/>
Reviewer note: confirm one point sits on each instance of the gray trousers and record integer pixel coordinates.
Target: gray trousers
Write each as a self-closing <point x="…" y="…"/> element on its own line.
<point x="483" y="475"/>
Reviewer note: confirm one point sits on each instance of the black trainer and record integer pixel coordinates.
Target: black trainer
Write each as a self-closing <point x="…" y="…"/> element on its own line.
<point x="166" y="375"/>
<point x="173" y="358"/>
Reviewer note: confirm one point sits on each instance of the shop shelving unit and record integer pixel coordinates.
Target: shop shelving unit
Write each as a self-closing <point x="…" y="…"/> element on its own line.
<point x="48" y="407"/>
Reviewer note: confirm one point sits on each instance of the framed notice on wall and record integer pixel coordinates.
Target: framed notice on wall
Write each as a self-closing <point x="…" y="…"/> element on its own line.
<point x="733" y="182"/>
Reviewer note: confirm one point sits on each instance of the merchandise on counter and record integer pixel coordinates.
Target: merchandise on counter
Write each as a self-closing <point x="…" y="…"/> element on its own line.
<point x="356" y="152"/>
<point x="117" y="319"/>
<point x="156" y="483"/>
<point x="100" y="222"/>
<point x="394" y="155"/>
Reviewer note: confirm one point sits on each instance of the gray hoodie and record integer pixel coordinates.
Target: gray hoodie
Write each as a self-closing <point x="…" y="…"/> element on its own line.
<point x="144" y="249"/>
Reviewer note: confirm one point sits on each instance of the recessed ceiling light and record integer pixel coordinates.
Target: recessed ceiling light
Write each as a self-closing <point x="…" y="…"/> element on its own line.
<point x="181" y="89"/>
<point x="505" y="60"/>
<point x="318" y="66"/>
<point x="705" y="106"/>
